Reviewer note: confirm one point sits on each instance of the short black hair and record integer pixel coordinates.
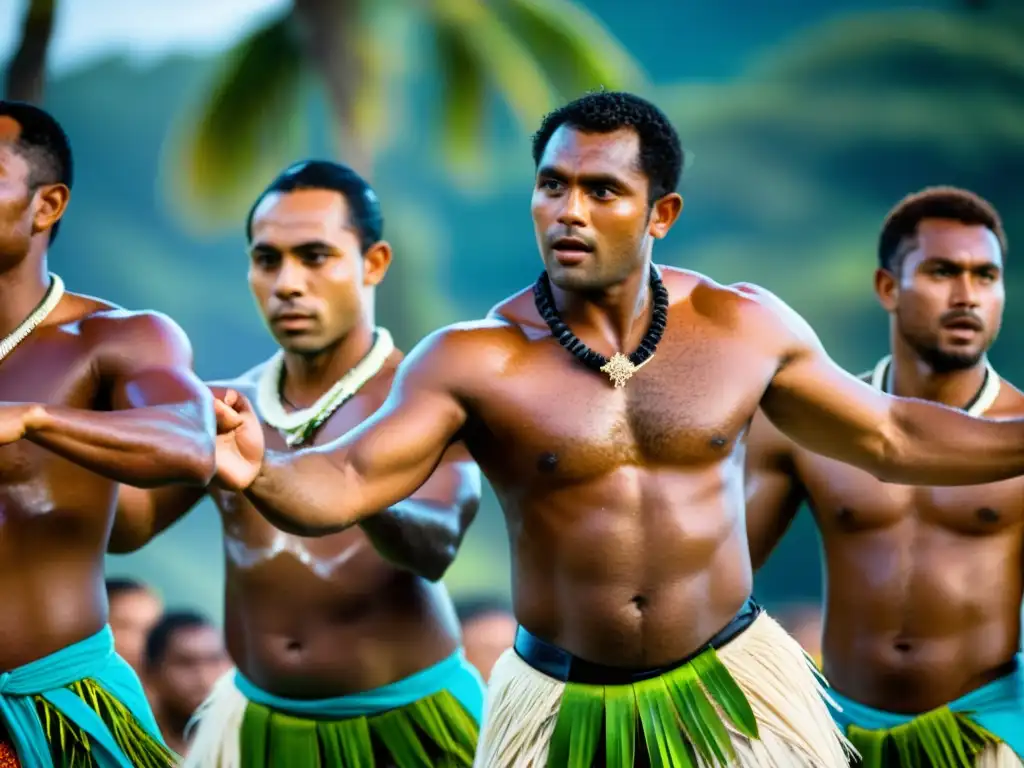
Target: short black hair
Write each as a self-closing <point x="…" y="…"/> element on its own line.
<point x="470" y="608"/>
<point x="44" y="145"/>
<point x="363" y="203"/>
<point x="162" y="633"/>
<point x="123" y="585"/>
<point x="900" y="227"/>
<point x="661" y="153"/>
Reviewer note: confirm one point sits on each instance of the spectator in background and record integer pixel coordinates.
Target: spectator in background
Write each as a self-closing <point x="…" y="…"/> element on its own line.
<point x="134" y="609"/>
<point x="488" y="629"/>
<point x="184" y="657"/>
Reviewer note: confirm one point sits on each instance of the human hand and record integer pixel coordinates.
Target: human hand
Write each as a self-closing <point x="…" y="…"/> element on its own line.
<point x="240" y="445"/>
<point x="15" y="421"/>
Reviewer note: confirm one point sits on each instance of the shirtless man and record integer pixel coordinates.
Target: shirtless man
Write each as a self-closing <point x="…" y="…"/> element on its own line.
<point x="624" y="504"/>
<point x="336" y="648"/>
<point x="92" y="396"/>
<point x="924" y="584"/>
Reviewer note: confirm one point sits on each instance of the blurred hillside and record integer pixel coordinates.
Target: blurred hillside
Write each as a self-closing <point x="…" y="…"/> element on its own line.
<point x="804" y="131"/>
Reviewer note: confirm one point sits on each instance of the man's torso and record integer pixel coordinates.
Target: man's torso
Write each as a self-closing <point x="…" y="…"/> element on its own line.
<point x="55" y="516"/>
<point x="325" y="617"/>
<point x="624" y="506"/>
<point x="924" y="584"/>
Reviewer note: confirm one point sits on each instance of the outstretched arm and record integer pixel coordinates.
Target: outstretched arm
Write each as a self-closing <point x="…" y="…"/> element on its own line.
<point x="774" y="490"/>
<point x="377" y="465"/>
<point x="160" y="426"/>
<point x="898" y="439"/>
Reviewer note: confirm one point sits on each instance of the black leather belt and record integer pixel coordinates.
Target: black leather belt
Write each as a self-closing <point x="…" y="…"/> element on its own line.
<point x="562" y="665"/>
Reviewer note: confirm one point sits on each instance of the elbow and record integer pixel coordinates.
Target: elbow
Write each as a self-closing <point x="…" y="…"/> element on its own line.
<point x="437" y="566"/>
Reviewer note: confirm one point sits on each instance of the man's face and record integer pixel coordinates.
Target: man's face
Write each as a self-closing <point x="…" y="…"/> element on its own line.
<point x="590" y="209"/>
<point x="194" y="660"/>
<point x="16" y="208"/>
<point x="947" y="298"/>
<point x="307" y="272"/>
<point x="132" y="615"/>
<point x="486" y="637"/>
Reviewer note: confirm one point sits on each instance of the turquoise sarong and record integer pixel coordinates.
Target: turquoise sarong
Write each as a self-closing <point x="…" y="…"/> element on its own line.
<point x="429" y="718"/>
<point x="82" y="704"/>
<point x="996" y="708"/>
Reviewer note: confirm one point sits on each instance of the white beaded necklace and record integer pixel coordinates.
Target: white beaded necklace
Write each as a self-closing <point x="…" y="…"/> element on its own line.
<point x="50" y="301"/>
<point x="881" y="378"/>
<point x="298" y="426"/>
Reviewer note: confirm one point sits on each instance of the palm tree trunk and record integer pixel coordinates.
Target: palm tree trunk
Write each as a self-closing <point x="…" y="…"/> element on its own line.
<point x="26" y="72"/>
<point x="328" y="26"/>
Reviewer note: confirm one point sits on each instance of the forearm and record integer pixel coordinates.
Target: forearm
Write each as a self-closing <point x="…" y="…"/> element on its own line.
<point x="421" y="536"/>
<point x="143" y="447"/>
<point x="307" y="493"/>
<point x="935" y="445"/>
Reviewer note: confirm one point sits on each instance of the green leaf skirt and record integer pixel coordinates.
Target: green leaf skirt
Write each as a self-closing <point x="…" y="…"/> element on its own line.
<point x="937" y="739"/>
<point x="674" y="716"/>
<point x="434" y="732"/>
<point x="71" y="746"/>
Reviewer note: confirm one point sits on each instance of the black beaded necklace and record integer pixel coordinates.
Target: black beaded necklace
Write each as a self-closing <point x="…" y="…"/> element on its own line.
<point x="619" y="368"/>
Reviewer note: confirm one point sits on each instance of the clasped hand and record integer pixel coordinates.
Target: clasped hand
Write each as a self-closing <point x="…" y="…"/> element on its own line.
<point x="240" y="444"/>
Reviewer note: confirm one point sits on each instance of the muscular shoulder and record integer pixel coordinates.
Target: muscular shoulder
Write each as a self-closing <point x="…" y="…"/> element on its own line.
<point x="459" y="354"/>
<point x="120" y="336"/>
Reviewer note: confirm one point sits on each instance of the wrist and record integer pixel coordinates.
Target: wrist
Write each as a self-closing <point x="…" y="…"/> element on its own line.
<point x="34" y="418"/>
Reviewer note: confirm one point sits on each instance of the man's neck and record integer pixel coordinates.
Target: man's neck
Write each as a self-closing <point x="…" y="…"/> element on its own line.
<point x="308" y="377"/>
<point x="173" y="730"/>
<point x="619" y="313"/>
<point x="21" y="290"/>
<point x="910" y="376"/>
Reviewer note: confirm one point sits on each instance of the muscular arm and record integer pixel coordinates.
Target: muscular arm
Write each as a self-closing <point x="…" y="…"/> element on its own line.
<point x="774" y="491"/>
<point x="144" y="514"/>
<point x="382" y="462"/>
<point x="424" y="532"/>
<point x="160" y="426"/>
<point x="899" y="440"/>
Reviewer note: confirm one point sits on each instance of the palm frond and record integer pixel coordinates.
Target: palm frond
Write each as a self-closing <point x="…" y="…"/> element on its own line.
<point x="834" y="45"/>
<point x="505" y="62"/>
<point x="575" y="50"/>
<point x="249" y="124"/>
<point x="463" y="101"/>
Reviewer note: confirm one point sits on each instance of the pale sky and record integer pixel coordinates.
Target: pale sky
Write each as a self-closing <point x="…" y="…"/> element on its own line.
<point x="143" y="29"/>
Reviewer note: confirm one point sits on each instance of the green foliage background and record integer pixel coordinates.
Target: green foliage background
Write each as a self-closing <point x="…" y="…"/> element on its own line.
<point x="804" y="127"/>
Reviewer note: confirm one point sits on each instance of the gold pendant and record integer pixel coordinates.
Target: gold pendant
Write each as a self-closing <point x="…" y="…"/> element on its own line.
<point x="620" y="369"/>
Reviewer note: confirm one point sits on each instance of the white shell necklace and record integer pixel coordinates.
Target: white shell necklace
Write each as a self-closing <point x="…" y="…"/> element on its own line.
<point x="881" y="378"/>
<point x="50" y="301"/>
<point x="298" y="426"/>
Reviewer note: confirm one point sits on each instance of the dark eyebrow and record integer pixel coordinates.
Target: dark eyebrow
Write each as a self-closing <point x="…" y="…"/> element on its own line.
<point x="941" y="261"/>
<point x="306" y="247"/>
<point x="586" y="180"/>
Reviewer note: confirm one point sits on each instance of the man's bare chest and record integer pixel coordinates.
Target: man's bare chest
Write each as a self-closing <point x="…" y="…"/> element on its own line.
<point x="847" y="499"/>
<point x="548" y="413"/>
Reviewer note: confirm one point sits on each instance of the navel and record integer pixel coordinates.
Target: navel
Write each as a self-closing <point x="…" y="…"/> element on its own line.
<point x="547" y="462"/>
<point x="988" y="515"/>
<point x="718" y="441"/>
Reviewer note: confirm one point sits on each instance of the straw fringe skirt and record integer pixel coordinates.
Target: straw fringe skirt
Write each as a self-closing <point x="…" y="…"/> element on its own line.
<point x="999" y="756"/>
<point x="215" y="727"/>
<point x="771" y="669"/>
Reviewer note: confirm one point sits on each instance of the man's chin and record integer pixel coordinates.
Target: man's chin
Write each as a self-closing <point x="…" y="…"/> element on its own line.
<point x="946" y="360"/>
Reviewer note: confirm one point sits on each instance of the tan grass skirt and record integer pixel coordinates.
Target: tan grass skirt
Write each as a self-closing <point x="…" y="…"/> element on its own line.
<point x="784" y="691"/>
